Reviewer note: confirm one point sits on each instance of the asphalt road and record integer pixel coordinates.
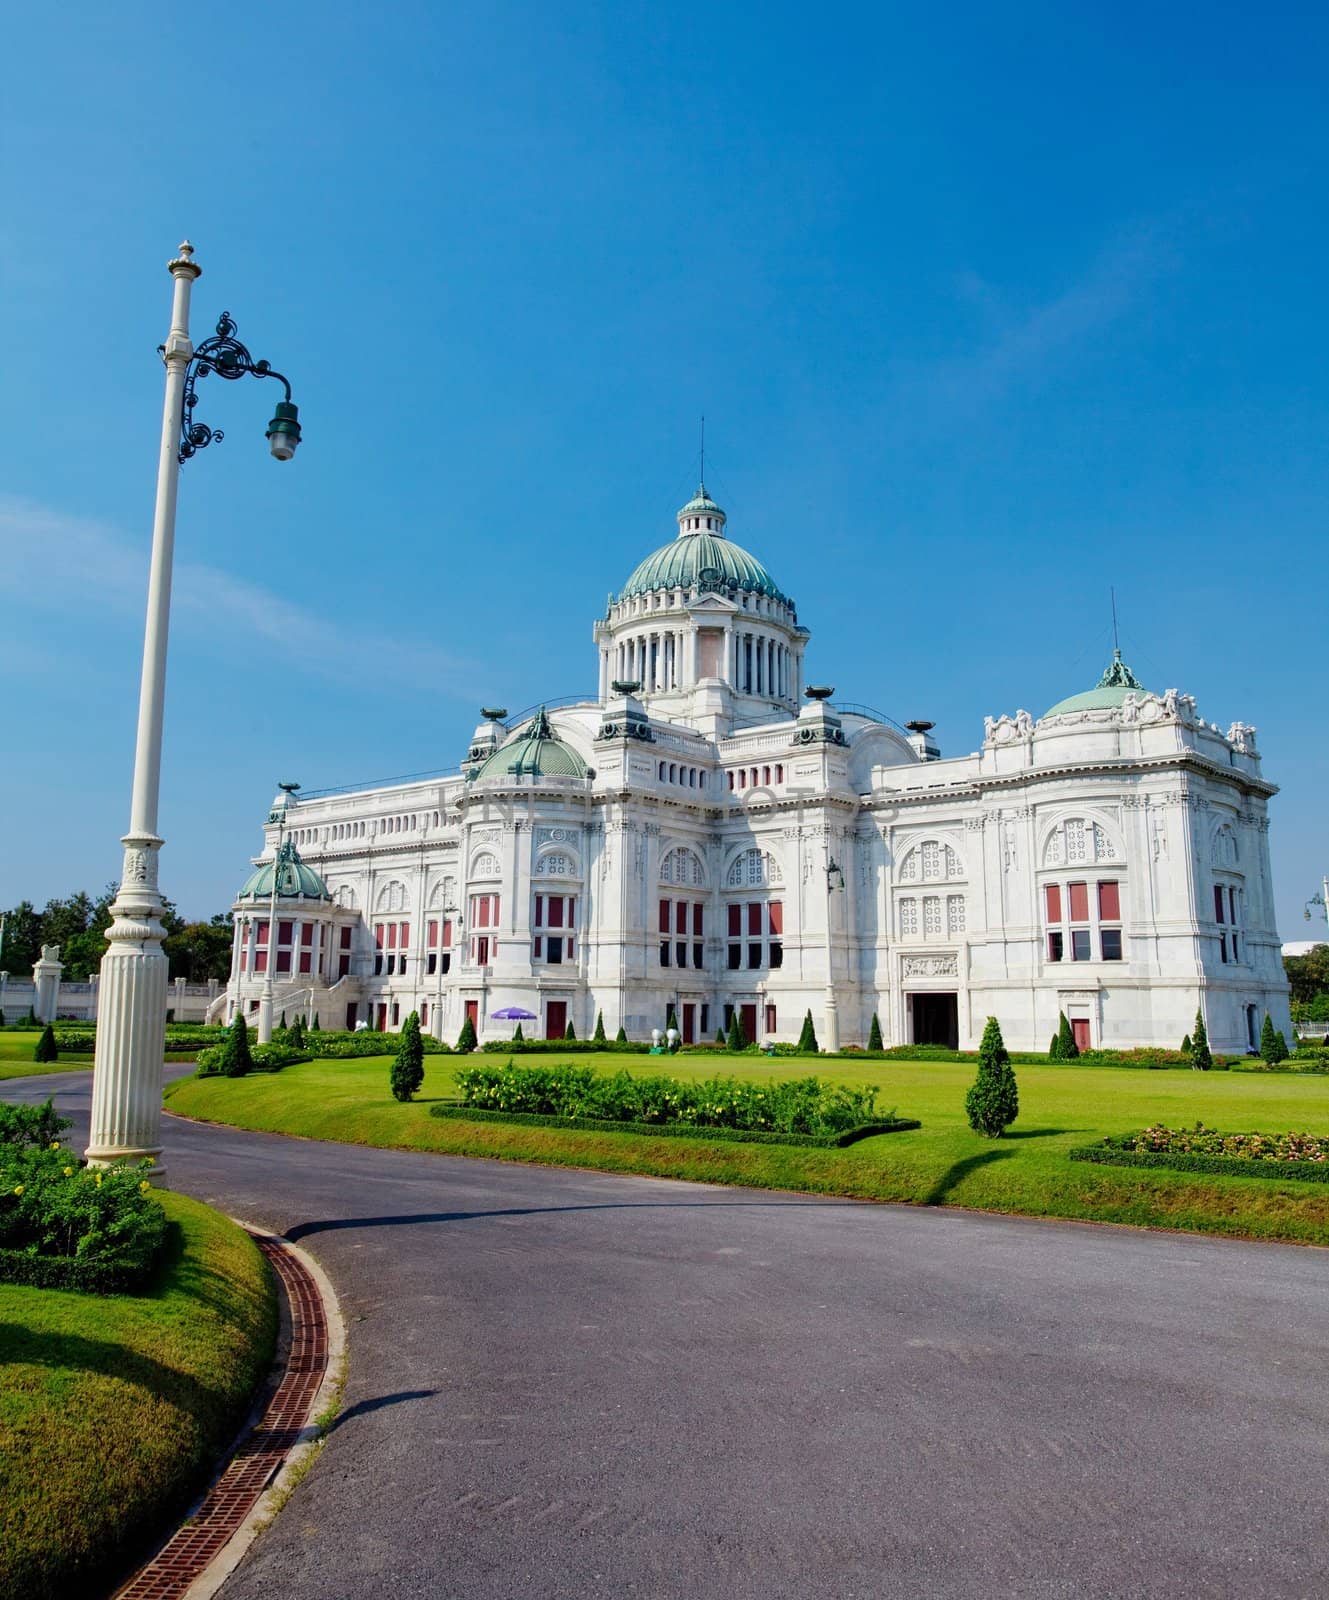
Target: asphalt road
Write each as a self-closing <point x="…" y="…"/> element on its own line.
<point x="563" y="1384"/>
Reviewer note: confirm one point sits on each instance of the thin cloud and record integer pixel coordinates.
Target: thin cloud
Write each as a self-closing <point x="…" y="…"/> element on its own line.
<point x="51" y="554"/>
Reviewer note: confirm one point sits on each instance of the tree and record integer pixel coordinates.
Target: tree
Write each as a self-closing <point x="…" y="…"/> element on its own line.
<point x="671" y="1021"/>
<point x="1308" y="974"/>
<point x="807" y="1040"/>
<point x="1201" y="1059"/>
<point x="23" y="939"/>
<point x="719" y="1037"/>
<point x="296" y="1037"/>
<point x="1273" y="1046"/>
<point x="736" y="1039"/>
<point x="1186" y="1045"/>
<point x="2" y="1019"/>
<point x="518" y="1037"/>
<point x="569" y="1032"/>
<point x="874" y="1034"/>
<point x="1054" y="1048"/>
<point x="466" y="1040"/>
<point x="198" y="951"/>
<point x="993" y="1101"/>
<point x="237" y="1060"/>
<point x="599" y="1035"/>
<point x="282" y="1023"/>
<point x="621" y="1037"/>
<point x="316" y="1026"/>
<point x="408" y="1066"/>
<point x="44" y="1049"/>
<point x="1067" y="1049"/>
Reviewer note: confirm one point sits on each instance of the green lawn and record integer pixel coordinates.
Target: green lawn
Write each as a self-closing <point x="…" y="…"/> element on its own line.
<point x="113" y="1409"/>
<point x="942" y="1163"/>
<point x="16" y="1056"/>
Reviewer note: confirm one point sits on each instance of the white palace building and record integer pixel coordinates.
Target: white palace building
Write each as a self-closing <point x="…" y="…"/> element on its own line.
<point x="710" y="835"/>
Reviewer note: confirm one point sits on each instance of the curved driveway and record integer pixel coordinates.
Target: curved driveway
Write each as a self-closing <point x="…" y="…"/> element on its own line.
<point x="563" y="1384"/>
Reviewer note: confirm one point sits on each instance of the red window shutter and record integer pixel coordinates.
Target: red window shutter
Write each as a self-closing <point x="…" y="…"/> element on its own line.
<point x="493" y="900"/>
<point x="735" y="921"/>
<point x="404" y="936"/>
<point x="284" y="930"/>
<point x="539" y="911"/>
<point x="664" y="916"/>
<point x="776" y="909"/>
<point x="346" y="938"/>
<point x="482" y="905"/>
<point x="1218" y="902"/>
<point x="572" y="912"/>
<point x="1052" y="894"/>
<point x="392" y="936"/>
<point x="378" y="935"/>
<point x="261" y="932"/>
<point x="1079" y="893"/>
<point x="681" y="916"/>
<point x="1232" y="906"/>
<point x="696" y="923"/>
<point x="754" y="917"/>
<point x="431" y="935"/>
<point x="1109" y="902"/>
<point x="447" y="934"/>
<point x="555" y="910"/>
<point x="307" y="933"/>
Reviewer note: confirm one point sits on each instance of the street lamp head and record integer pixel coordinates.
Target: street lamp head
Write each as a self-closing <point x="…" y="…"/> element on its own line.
<point x="284" y="431"/>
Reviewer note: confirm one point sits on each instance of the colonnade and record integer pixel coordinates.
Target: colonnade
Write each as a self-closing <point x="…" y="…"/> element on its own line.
<point x="664" y="660"/>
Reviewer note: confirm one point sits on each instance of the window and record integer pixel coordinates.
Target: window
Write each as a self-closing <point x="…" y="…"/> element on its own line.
<point x="1056" y="944"/>
<point x="555" y="864"/>
<point x="1052" y="898"/>
<point x="682" y="866"/>
<point x="1218" y="902"/>
<point x="932" y="860"/>
<point x="954" y="913"/>
<point x="1079" y="944"/>
<point x="680" y="917"/>
<point x="1077" y="840"/>
<point x="1078" y="894"/>
<point x="770" y="1019"/>
<point x="556" y="912"/>
<point x="485" y="865"/>
<point x="755" y="929"/>
<point x="931" y="915"/>
<point x="909" y="919"/>
<point x="1109" y="902"/>
<point x="753" y="869"/>
<point x="1111" y="938"/>
<point x="1100" y="930"/>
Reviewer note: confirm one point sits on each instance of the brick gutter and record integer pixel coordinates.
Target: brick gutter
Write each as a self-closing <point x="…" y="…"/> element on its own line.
<point x="249" y="1488"/>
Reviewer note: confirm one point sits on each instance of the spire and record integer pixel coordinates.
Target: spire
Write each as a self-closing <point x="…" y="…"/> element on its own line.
<point x="701" y="515"/>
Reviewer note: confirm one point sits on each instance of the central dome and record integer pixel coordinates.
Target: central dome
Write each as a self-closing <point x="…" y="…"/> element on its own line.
<point x="701" y="557"/>
<point x="1108" y="695"/>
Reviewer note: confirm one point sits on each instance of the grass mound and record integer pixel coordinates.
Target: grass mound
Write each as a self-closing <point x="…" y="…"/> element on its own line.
<point x="113" y="1410"/>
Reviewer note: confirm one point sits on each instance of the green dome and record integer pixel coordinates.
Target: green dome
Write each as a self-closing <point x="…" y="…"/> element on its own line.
<point x="1109" y="693"/>
<point x="701" y="557"/>
<point x="294" y="879"/>
<point x="535" y="753"/>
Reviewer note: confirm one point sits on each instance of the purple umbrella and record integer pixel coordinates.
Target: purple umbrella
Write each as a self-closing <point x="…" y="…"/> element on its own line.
<point x="512" y="1014"/>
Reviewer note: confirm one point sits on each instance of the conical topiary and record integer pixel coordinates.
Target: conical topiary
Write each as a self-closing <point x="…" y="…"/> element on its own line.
<point x="238" y="1061"/>
<point x="621" y="1037"/>
<point x="1201" y="1059"/>
<point x="599" y="1035"/>
<point x="569" y="1032"/>
<point x="735" y="1039"/>
<point x="44" y="1049"/>
<point x="807" y="1039"/>
<point x="993" y="1102"/>
<point x="1067" y="1049"/>
<point x="874" y="1034"/>
<point x="282" y="1023"/>
<point x="671" y="1021"/>
<point x="408" y="1065"/>
<point x="315" y="1026"/>
<point x="719" y="1036"/>
<point x="1054" y="1048"/>
<point x="518" y="1037"/>
<point x="466" y="1040"/>
<point x="1186" y="1045"/>
<point x="1273" y="1046"/>
<point x="296" y="1035"/>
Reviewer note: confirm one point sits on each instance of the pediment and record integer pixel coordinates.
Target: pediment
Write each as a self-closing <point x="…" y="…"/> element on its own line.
<point x="712" y="605"/>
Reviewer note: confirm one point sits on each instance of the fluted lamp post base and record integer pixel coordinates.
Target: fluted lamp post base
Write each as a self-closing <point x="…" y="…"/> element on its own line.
<point x="131" y="1019"/>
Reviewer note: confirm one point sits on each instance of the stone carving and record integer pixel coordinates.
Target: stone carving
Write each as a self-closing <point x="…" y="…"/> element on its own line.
<point x="930" y="967"/>
<point x="570" y="836"/>
<point x="1241" y="736"/>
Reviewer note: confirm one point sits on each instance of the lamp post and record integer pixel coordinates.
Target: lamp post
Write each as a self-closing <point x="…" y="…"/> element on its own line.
<point x="131" y="1024"/>
<point x="265" y="1004"/>
<point x="834" y="881"/>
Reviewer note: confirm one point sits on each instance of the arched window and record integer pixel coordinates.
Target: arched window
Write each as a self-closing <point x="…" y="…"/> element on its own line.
<point x="753" y="869"/>
<point x="1077" y="842"/>
<point x="392" y="896"/>
<point x="345" y="897"/>
<point x="485" y="865"/>
<point x="556" y="864"/>
<point x="930" y="860"/>
<point x="1225" y="847"/>
<point x="683" y="866"/>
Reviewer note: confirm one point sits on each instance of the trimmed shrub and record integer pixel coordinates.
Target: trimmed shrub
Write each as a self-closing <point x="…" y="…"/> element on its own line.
<point x="720" y="1037"/>
<point x="518" y="1037"/>
<point x="295" y="1034"/>
<point x="1186" y="1046"/>
<point x="1067" y="1049"/>
<point x="1054" y="1049"/>
<point x="237" y="1059"/>
<point x="736" y="1039"/>
<point x="993" y="1102"/>
<point x="598" y="1037"/>
<point x="564" y="1047"/>
<point x="1200" y="1149"/>
<point x="621" y="1037"/>
<point x="316" y="1026"/>
<point x="807" y="1039"/>
<point x="44" y="1049"/>
<point x="1201" y="1059"/>
<point x="408" y="1067"/>
<point x="679" y="1130"/>
<point x="466" y="1040"/>
<point x="874" y="1033"/>
<point x="569" y="1032"/>
<point x="1273" y="1046"/>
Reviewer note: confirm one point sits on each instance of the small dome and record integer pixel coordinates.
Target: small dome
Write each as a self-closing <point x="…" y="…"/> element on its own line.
<point x="1109" y="693"/>
<point x="535" y="752"/>
<point x="294" y="879"/>
<point x="702" y="557"/>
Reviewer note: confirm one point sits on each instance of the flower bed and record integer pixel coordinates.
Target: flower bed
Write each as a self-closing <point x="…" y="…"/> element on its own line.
<point x="800" y="1105"/>
<point x="64" y="1225"/>
<point x="1201" y="1149"/>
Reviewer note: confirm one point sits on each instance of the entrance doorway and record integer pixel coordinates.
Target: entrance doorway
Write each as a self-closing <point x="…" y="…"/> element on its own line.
<point x="556" y="1018"/>
<point x="473" y="1014"/>
<point x="1080" y="1032"/>
<point x="689" y="1024"/>
<point x="748" y="1016"/>
<point x="935" y="1019"/>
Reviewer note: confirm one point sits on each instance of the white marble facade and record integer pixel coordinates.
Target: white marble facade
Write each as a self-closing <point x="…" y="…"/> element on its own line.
<point x="1109" y="859"/>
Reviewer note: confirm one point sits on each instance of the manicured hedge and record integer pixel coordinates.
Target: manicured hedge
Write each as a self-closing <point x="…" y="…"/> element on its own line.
<point x="1227" y="1166"/>
<point x="567" y="1047"/>
<point x="677" y="1130"/>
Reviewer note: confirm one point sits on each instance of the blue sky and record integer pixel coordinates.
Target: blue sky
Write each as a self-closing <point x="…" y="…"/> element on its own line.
<point x="987" y="309"/>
